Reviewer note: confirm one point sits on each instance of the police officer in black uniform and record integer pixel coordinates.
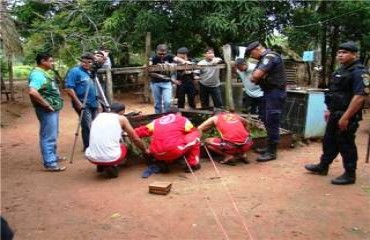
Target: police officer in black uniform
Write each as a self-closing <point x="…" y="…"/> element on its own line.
<point x="348" y="89"/>
<point x="270" y="75"/>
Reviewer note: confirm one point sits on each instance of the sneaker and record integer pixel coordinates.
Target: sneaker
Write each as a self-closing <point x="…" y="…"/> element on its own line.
<point x="56" y="168"/>
<point x="61" y="158"/>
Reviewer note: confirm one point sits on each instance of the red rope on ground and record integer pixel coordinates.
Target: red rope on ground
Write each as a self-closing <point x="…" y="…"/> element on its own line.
<point x="208" y="202"/>
<point x="229" y="194"/>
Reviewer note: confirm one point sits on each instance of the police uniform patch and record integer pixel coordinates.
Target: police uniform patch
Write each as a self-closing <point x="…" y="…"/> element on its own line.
<point x="366" y="79"/>
<point x="367" y="90"/>
<point x="265" y="61"/>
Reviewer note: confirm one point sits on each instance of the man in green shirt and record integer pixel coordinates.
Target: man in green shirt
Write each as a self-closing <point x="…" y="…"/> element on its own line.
<point x="45" y="97"/>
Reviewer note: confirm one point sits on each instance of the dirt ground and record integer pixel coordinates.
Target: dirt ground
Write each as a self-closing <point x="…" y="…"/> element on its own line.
<point x="275" y="200"/>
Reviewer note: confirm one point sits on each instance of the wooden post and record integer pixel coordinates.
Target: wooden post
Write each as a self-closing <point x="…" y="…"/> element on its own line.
<point x="228" y="83"/>
<point x="11" y="78"/>
<point x="109" y="86"/>
<point x="146" y="92"/>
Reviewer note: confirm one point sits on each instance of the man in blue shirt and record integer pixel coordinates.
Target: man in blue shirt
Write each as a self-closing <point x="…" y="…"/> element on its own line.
<point x="253" y="92"/>
<point x="82" y="90"/>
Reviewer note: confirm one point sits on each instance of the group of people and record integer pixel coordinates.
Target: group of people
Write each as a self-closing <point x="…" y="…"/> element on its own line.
<point x="174" y="136"/>
<point x="184" y="80"/>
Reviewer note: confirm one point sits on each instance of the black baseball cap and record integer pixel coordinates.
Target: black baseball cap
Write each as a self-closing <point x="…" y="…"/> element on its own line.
<point x="349" y="46"/>
<point x="240" y="61"/>
<point x="251" y="46"/>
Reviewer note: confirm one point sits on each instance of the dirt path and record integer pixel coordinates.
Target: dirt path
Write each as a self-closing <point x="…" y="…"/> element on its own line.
<point x="277" y="200"/>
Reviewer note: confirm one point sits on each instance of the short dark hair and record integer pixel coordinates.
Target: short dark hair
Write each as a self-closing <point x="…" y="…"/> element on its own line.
<point x="42" y="56"/>
<point x="162" y="47"/>
<point x="87" y="55"/>
<point x="173" y="109"/>
<point x="117" y="107"/>
<point x="209" y="49"/>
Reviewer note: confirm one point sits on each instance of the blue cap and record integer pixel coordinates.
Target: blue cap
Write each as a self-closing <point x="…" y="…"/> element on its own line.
<point x="349" y="46"/>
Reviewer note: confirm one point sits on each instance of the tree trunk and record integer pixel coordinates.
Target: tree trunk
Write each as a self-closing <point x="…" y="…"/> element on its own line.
<point x="323" y="82"/>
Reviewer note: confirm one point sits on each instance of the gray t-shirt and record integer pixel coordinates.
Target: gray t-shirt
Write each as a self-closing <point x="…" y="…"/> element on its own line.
<point x="209" y="76"/>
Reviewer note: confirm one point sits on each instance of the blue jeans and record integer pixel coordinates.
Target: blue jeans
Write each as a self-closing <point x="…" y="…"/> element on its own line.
<point x="87" y="117"/>
<point x="162" y="94"/>
<point x="49" y="127"/>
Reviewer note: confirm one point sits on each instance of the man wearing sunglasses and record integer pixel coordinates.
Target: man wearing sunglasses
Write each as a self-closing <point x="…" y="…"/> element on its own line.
<point x="161" y="84"/>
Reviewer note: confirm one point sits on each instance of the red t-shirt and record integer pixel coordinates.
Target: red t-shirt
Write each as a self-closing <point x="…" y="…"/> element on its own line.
<point x="231" y="128"/>
<point x="168" y="132"/>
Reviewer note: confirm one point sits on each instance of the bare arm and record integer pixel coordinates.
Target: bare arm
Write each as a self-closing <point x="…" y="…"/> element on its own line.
<point x="354" y="106"/>
<point x="71" y="93"/>
<point x="207" y="124"/>
<point x="131" y="134"/>
<point x="245" y="122"/>
<point x="258" y="75"/>
<point x="36" y="96"/>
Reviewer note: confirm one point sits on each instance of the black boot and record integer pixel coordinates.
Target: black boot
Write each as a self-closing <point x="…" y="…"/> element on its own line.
<point x="269" y="155"/>
<point x="319" y="169"/>
<point x="344" y="179"/>
<point x="261" y="150"/>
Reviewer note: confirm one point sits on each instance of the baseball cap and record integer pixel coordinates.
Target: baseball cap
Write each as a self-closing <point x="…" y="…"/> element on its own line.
<point x="240" y="61"/>
<point x="349" y="46"/>
<point x="183" y="50"/>
<point x="251" y="46"/>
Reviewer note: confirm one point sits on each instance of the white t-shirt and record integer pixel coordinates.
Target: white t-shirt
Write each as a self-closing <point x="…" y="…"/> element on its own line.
<point x="250" y="88"/>
<point x="105" y="135"/>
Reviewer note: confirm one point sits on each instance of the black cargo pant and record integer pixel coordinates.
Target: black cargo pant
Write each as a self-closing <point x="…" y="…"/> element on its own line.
<point x="343" y="142"/>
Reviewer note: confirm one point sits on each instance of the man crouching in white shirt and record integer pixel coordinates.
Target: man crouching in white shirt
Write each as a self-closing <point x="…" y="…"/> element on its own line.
<point x="105" y="148"/>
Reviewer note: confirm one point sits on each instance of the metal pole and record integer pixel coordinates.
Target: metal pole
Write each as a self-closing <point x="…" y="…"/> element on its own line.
<point x="79" y="123"/>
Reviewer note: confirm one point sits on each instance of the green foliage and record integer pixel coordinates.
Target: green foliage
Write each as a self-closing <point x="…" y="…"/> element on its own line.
<point x="68" y="28"/>
<point x="21" y="71"/>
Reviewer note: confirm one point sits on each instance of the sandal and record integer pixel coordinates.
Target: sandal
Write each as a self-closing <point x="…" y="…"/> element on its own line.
<point x="230" y="162"/>
<point x="61" y="158"/>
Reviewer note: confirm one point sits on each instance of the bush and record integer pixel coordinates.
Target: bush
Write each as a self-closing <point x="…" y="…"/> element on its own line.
<point x="21" y="71"/>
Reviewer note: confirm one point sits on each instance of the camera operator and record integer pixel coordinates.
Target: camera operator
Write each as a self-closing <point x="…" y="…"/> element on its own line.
<point x="80" y="87"/>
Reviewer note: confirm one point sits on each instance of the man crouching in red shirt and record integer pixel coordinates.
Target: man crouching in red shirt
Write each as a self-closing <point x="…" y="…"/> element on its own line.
<point x="235" y="139"/>
<point x="172" y="136"/>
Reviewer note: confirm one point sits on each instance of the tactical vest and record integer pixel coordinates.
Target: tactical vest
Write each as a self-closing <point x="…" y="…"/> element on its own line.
<point x="276" y="77"/>
<point x="340" y="91"/>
